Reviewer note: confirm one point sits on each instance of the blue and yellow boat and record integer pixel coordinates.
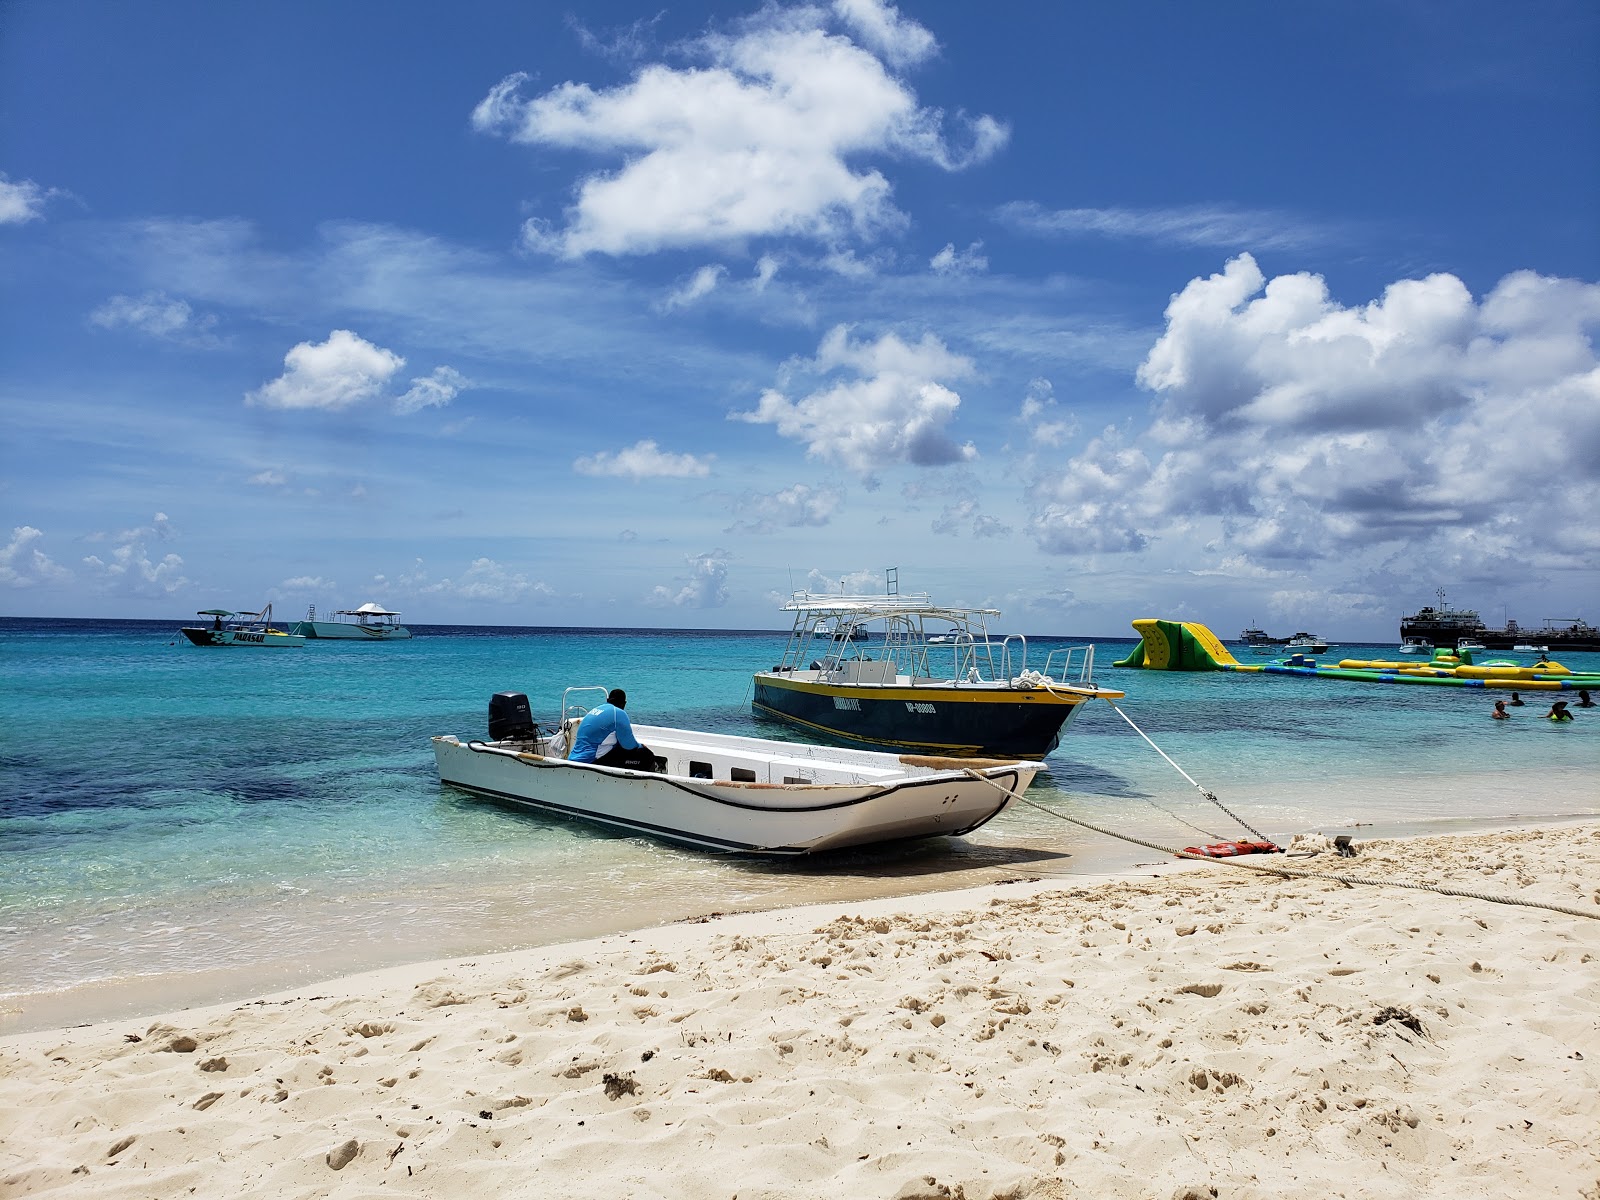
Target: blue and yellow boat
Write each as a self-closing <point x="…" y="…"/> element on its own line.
<point x="864" y="670"/>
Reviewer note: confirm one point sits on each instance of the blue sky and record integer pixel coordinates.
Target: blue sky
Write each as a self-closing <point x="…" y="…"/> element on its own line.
<point x="620" y="315"/>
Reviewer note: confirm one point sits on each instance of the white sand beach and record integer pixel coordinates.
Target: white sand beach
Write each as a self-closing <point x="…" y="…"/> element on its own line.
<point x="1200" y="1032"/>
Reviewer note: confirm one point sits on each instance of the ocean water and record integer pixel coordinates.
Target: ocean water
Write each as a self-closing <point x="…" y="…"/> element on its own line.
<point x="182" y="825"/>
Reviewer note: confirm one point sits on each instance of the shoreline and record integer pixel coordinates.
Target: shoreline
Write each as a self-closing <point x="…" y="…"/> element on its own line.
<point x="1104" y="860"/>
<point x="1195" y="1027"/>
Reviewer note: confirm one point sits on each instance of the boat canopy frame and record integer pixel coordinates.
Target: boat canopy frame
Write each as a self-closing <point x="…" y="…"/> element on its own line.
<point x="827" y="636"/>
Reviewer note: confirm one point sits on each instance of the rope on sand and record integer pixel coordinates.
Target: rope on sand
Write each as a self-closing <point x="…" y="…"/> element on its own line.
<point x="1295" y="872"/>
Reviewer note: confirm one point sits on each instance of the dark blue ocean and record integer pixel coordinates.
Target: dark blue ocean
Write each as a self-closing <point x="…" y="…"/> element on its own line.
<point x="181" y="825"/>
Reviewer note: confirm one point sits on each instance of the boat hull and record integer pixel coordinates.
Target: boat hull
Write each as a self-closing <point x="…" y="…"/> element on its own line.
<point x="884" y="801"/>
<point x="967" y="721"/>
<point x="241" y="637"/>
<point x="349" y="631"/>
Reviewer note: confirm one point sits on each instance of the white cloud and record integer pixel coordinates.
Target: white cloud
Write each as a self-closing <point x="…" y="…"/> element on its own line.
<point x="131" y="570"/>
<point x="766" y="268"/>
<point x="759" y="139"/>
<point x="484" y="580"/>
<point x="1212" y="228"/>
<point x="1296" y="428"/>
<point x="791" y="508"/>
<point x="23" y="564"/>
<point x="157" y="315"/>
<point x="951" y="261"/>
<point x="21" y="201"/>
<point x="307" y="583"/>
<point x="1038" y="414"/>
<point x="706" y="586"/>
<point x="645" y="460"/>
<point x="894" y="409"/>
<point x="271" y="477"/>
<point x="699" y="285"/>
<point x="334" y="374"/>
<point x="431" y="391"/>
<point x="882" y="29"/>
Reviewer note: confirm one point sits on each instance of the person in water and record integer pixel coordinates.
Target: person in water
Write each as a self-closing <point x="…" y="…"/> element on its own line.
<point x="1583" y="698"/>
<point x="605" y="737"/>
<point x="1558" y="711"/>
<point x="1543" y="661"/>
<point x="1500" y="713"/>
<point x="1516" y="700"/>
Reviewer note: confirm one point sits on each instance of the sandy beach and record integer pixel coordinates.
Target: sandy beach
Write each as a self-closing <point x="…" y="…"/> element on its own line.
<point x="1197" y="1032"/>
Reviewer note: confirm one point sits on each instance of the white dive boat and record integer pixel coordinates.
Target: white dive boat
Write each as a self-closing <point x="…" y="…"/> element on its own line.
<point x="957" y="692"/>
<point x="239" y="629"/>
<point x="1530" y="648"/>
<point x="734" y="794"/>
<point x="1306" y="643"/>
<point x="369" y="623"/>
<point x="1416" y="645"/>
<point x="1471" y="646"/>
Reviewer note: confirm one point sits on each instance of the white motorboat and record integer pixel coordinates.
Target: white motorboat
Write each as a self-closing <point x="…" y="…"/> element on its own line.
<point x="1306" y="643"/>
<point x="1471" y="646"/>
<point x="239" y="629"/>
<point x="1416" y="645"/>
<point x="369" y="623"/>
<point x="733" y="794"/>
<point x="1530" y="648"/>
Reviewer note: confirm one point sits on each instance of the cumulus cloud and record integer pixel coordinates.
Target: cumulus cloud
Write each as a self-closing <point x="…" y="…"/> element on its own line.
<point x="307" y="583"/>
<point x="431" y="391"/>
<point x="1039" y="414"/>
<point x="24" y="565"/>
<point x="951" y="261"/>
<point x="22" y="200"/>
<point x="129" y="569"/>
<point x="791" y="508"/>
<point x="1210" y="228"/>
<point x="644" y="460"/>
<point x="889" y="408"/>
<point x="156" y="315"/>
<point x="1297" y="427"/>
<point x="270" y="477"/>
<point x="760" y="137"/>
<point x="705" y="587"/>
<point x="333" y="375"/>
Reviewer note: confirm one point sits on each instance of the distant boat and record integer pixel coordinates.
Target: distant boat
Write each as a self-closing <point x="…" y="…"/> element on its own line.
<point x="1306" y="643"/>
<point x="1470" y="646"/>
<point x="1531" y="649"/>
<point x="1260" y="637"/>
<point x="1416" y="645"/>
<point x="239" y="629"/>
<point x="369" y="623"/>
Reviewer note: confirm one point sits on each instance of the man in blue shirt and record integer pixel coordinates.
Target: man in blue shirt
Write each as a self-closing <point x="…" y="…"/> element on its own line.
<point x="605" y="737"/>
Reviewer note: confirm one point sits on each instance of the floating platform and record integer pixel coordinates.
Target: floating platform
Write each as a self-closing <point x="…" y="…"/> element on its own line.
<point x="1190" y="646"/>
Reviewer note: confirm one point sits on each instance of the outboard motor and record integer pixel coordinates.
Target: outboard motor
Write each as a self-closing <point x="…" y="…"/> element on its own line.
<point x="510" y="718"/>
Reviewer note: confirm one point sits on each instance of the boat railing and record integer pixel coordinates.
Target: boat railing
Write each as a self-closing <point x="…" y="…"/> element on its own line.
<point x="1079" y="659"/>
<point x="570" y="709"/>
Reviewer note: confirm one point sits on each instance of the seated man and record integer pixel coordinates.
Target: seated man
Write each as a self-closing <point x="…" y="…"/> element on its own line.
<point x="605" y="737"/>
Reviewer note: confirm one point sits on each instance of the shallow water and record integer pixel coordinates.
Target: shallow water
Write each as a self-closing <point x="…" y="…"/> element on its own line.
<point x="216" y="823"/>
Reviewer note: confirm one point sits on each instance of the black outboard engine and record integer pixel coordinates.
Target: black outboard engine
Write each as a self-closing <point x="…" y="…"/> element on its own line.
<point x="510" y="718"/>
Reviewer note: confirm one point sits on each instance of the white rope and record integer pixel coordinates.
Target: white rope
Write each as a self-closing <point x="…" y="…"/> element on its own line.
<point x="1296" y="872"/>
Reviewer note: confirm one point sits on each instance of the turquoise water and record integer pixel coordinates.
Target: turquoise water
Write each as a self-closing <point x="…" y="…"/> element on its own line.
<point x="213" y="823"/>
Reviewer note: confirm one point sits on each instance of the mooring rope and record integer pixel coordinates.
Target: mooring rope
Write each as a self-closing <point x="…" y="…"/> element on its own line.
<point x="1204" y="791"/>
<point x="1295" y="872"/>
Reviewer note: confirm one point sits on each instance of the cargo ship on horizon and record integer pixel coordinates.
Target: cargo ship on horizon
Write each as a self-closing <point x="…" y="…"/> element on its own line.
<point x="1446" y="626"/>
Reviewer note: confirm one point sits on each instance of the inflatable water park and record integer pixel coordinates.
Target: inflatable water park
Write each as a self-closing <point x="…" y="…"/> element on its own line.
<point x="1189" y="646"/>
